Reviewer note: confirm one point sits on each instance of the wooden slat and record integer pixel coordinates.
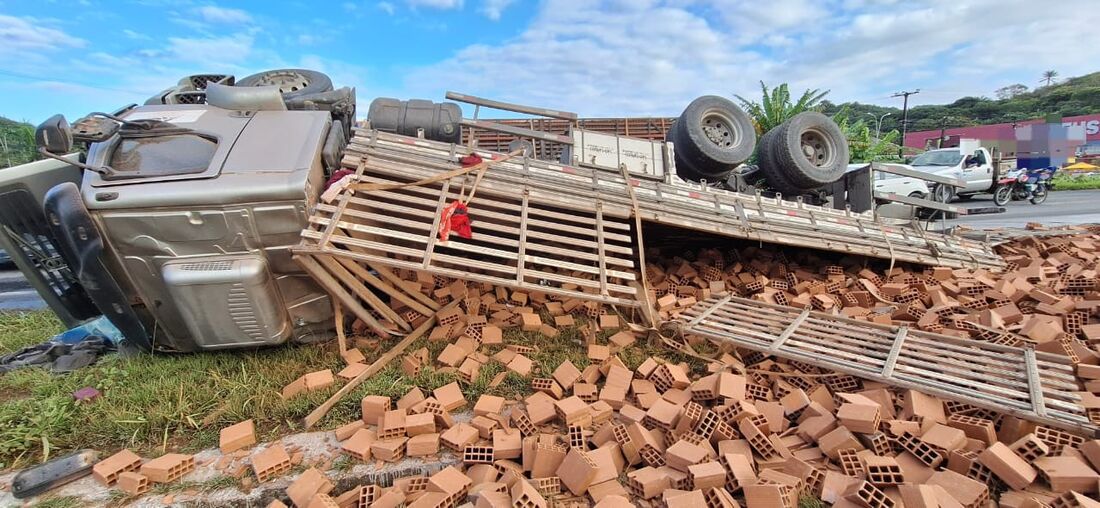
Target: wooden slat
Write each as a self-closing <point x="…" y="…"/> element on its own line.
<point x="1022" y="382"/>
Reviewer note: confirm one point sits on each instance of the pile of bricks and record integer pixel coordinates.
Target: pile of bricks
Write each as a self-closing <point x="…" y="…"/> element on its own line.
<point x="664" y="435"/>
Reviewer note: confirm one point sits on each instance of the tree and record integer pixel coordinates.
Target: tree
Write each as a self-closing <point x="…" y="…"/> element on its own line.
<point x="1049" y="77"/>
<point x="775" y="106"/>
<point x="862" y="146"/>
<point x="1010" y="91"/>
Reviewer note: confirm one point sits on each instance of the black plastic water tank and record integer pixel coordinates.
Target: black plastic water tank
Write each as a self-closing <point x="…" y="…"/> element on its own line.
<point x="440" y="121"/>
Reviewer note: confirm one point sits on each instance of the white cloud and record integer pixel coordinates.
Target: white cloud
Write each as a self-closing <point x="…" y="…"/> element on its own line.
<point x="651" y="57"/>
<point x="215" y="14"/>
<point x="492" y="9"/>
<point x="137" y="36"/>
<point x="436" y="4"/>
<point x="386" y="7"/>
<point x="212" y="51"/>
<point x="29" y="34"/>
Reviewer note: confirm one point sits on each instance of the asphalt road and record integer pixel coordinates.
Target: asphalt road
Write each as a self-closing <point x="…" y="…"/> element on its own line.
<point x="1061" y="208"/>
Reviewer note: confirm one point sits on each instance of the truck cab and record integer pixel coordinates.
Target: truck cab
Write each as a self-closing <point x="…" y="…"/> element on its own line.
<point x="972" y="164"/>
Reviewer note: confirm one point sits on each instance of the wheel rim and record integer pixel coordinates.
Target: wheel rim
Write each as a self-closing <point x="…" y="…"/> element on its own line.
<point x="720" y="129"/>
<point x="941" y="194"/>
<point x="818" y="148"/>
<point x="1002" y="195"/>
<point x="286" y="81"/>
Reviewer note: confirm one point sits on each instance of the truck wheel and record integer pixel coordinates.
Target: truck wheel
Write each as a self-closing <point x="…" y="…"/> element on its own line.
<point x="811" y="150"/>
<point x="943" y="193"/>
<point x="765" y="158"/>
<point x="713" y="135"/>
<point x="291" y="82"/>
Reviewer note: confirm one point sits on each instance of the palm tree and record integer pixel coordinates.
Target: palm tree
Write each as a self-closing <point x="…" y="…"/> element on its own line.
<point x="775" y="107"/>
<point x="1049" y="77"/>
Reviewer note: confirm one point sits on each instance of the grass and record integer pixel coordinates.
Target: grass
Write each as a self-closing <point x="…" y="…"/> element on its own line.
<point x="156" y="403"/>
<point x="1076" y="182"/>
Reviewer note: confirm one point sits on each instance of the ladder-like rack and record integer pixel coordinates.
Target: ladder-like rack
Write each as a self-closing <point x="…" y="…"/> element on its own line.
<point x="1030" y="384"/>
<point x="690" y="206"/>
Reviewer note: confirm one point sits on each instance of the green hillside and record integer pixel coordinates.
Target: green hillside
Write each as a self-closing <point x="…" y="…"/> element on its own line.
<point x="16" y="143"/>
<point x="1069" y="97"/>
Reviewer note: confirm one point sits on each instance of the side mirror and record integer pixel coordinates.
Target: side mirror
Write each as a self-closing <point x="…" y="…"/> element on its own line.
<point x="54" y="135"/>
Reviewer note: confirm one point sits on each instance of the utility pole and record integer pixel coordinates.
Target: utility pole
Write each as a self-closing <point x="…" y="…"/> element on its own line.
<point x="904" y="117"/>
<point x="943" y="131"/>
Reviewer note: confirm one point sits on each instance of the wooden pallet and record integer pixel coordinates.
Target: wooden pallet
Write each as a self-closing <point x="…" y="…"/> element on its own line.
<point x="1026" y="383"/>
<point x="524" y="238"/>
<point x="694" y="207"/>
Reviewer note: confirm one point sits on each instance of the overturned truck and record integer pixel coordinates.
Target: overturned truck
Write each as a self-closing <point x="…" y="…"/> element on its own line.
<point x="227" y="214"/>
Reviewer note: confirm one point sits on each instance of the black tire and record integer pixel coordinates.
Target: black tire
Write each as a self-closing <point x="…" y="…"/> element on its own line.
<point x="292" y="83"/>
<point x="1002" y="195"/>
<point x="773" y="174"/>
<point x="713" y="135"/>
<point x="1039" y="195"/>
<point x="943" y="193"/>
<point x="811" y="150"/>
<point x="916" y="194"/>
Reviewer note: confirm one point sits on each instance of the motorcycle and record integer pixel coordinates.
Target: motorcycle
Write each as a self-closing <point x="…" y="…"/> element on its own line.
<point x="1030" y="184"/>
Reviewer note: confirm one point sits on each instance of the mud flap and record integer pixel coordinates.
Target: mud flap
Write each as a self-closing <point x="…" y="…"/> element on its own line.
<point x="81" y="245"/>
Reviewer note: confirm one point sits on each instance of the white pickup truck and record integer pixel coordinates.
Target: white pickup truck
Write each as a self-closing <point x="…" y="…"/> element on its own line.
<point x="972" y="164"/>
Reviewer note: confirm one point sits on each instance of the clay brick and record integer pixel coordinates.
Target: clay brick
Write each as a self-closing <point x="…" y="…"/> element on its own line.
<point x="683" y="454"/>
<point x="548" y="386"/>
<point x="707" y="475"/>
<point x="450" y="396"/>
<point x="392" y="425"/>
<point x="457" y="437"/>
<point x="270" y="463"/>
<point x="322" y="501"/>
<point x="422" y="444"/>
<point x="1090" y="450"/>
<point x="862" y="418"/>
<point x="662" y="414"/>
<point x="1074" y="500"/>
<point x="969" y="493"/>
<point x="548" y="458"/>
<point x="869" y="496"/>
<point x="566" y="374"/>
<point x="1009" y="467"/>
<point x="389" y="450"/>
<point x="410" y="399"/>
<point x="521" y="365"/>
<point x="374" y="407"/>
<point x="359" y="444"/>
<point x="883" y="470"/>
<point x="107" y="470"/>
<point x="918" y="496"/>
<point x="421" y="423"/>
<point x="530" y="322"/>
<point x="489" y="405"/>
<point x="168" y="467"/>
<point x="311" y="482"/>
<point x="450" y="481"/>
<point x="647" y="482"/>
<point x="1065" y="473"/>
<point x="944" y="438"/>
<point x="577" y="471"/>
<point x="573" y="411"/>
<point x="598" y="353"/>
<point x="352" y="370"/>
<point x="525" y="495"/>
<point x="319" y="380"/>
<point x="484" y="426"/>
<point x="347" y="430"/>
<point x="831" y="443"/>
<point x="981" y="429"/>
<point x="133" y="484"/>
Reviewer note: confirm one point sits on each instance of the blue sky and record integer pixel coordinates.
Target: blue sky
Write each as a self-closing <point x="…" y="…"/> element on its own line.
<point x="597" y="58"/>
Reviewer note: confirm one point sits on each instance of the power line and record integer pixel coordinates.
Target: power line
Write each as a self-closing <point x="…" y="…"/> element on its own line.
<point x="904" y="116"/>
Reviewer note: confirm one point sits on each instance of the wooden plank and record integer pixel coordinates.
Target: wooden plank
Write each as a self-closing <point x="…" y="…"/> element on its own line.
<point x="516" y="131"/>
<point x="384" y="286"/>
<point x="786" y="333"/>
<point x="523" y="236"/>
<point x="343" y="275"/>
<point x="600" y="243"/>
<point x="315" y="416"/>
<point x="333" y="287"/>
<point x="1034" y="383"/>
<point x="397" y="281"/>
<point x="433" y="232"/>
<point x="983" y="374"/>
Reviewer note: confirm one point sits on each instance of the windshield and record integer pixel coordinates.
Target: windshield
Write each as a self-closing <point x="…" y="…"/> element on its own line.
<point x="938" y="158"/>
<point x="179" y="154"/>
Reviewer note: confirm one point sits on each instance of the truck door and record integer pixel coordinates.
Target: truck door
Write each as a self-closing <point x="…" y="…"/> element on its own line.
<point x="978" y="172"/>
